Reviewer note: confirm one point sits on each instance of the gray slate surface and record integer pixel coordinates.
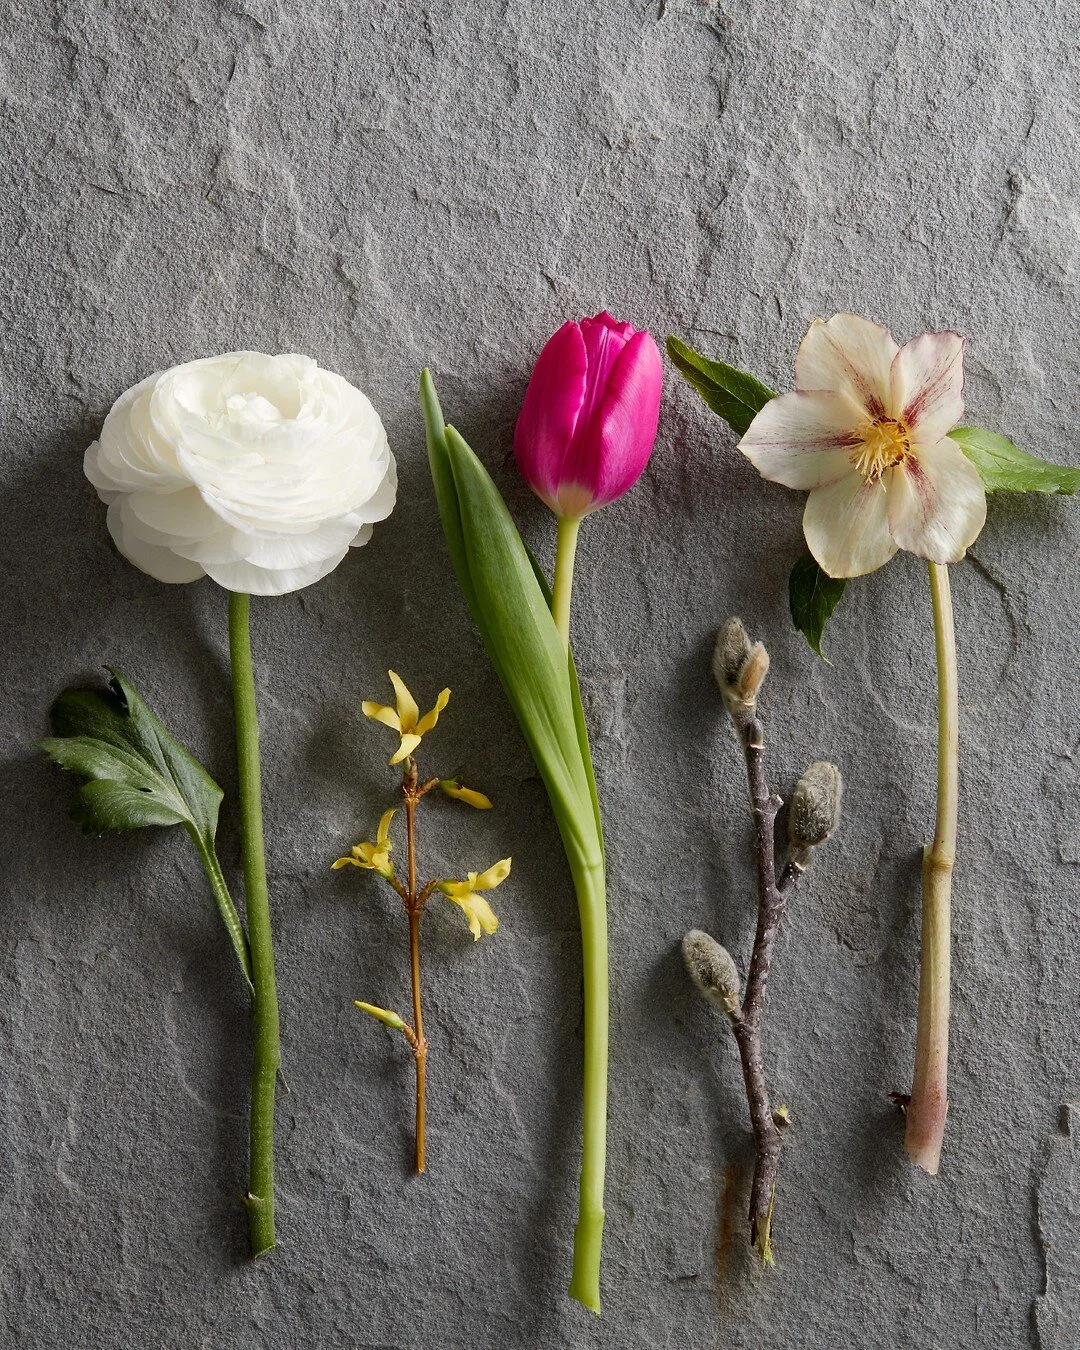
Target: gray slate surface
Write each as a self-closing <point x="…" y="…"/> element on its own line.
<point x="384" y="186"/>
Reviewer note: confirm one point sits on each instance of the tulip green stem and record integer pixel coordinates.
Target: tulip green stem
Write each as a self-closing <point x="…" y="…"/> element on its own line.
<point x="929" y="1101"/>
<point x="589" y="1232"/>
<point x="563" y="584"/>
<point x="267" y="1045"/>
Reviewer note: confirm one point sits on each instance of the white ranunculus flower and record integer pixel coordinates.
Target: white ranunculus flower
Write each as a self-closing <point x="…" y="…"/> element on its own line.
<point x="867" y="432"/>
<point x="259" y="471"/>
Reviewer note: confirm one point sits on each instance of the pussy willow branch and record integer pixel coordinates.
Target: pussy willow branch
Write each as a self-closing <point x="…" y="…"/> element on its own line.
<point x="748" y="1021"/>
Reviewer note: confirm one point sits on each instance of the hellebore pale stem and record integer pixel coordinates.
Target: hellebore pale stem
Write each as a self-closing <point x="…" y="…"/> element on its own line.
<point x="266" y="1059"/>
<point x="563" y="584"/>
<point x="589" y="1232"/>
<point x="929" y="1102"/>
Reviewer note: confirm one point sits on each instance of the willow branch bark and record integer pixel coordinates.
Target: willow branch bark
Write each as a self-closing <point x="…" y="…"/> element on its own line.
<point x="748" y="1021"/>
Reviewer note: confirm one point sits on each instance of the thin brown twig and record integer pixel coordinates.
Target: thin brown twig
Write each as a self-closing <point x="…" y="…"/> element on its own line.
<point x="747" y="1021"/>
<point x="414" y="904"/>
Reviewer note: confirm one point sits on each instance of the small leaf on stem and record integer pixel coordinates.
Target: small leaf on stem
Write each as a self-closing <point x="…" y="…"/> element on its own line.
<point x="1004" y="467"/>
<point x="812" y="597"/>
<point x="736" y="396"/>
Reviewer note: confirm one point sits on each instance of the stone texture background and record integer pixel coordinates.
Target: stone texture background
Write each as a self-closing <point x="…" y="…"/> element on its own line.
<point x="388" y="185"/>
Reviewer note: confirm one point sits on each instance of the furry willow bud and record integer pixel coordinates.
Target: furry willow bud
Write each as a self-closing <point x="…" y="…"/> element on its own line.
<point x="815" y="805"/>
<point x="739" y="666"/>
<point x="712" y="969"/>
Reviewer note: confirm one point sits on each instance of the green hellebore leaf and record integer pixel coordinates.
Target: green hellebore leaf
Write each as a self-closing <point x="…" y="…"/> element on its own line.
<point x="510" y="608"/>
<point x="137" y="775"/>
<point x="736" y="396"/>
<point x="1004" y="467"/>
<point x="812" y="596"/>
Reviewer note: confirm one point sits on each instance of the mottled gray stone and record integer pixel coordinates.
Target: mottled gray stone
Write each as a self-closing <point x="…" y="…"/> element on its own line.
<point x="388" y="185"/>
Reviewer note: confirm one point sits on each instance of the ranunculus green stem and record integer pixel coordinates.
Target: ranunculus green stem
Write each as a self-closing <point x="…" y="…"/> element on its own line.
<point x="267" y="1048"/>
<point x="929" y="1102"/>
<point x="563" y="584"/>
<point x="588" y="1235"/>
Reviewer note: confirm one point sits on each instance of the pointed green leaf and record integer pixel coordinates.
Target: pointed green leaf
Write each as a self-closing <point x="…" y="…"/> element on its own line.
<point x="136" y="776"/>
<point x="579" y="711"/>
<point x="1004" y="467"/>
<point x="112" y="736"/>
<point x="812" y="596"/>
<point x="735" y="395"/>
<point x="510" y="608"/>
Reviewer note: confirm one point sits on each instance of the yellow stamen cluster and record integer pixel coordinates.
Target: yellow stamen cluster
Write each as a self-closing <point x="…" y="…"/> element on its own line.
<point x="882" y="445"/>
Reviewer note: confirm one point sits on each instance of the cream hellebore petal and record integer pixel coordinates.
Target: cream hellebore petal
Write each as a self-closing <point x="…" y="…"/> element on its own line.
<point x="867" y="432"/>
<point x="259" y="471"/>
<point x="405" y="718"/>
<point x="467" y="895"/>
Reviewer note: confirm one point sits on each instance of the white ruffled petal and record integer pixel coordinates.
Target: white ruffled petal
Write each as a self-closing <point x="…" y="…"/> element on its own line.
<point x="245" y="576"/>
<point x="261" y="469"/>
<point x="937" y="502"/>
<point x="802" y="440"/>
<point x="155" y="560"/>
<point x="846" y="525"/>
<point x="849" y="356"/>
<point x="362" y="536"/>
<point x="927" y="382"/>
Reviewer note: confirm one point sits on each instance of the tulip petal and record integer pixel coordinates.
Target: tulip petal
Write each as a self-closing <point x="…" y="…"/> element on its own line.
<point x="927" y="382"/>
<point x="549" y="414"/>
<point x="937" y="503"/>
<point x="802" y="440"/>
<point x="614" y="443"/>
<point x="846" y="525"/>
<point x="851" y="356"/>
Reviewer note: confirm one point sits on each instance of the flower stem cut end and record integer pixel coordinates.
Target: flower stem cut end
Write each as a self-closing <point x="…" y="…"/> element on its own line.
<point x="585" y="1281"/>
<point x="762" y="1234"/>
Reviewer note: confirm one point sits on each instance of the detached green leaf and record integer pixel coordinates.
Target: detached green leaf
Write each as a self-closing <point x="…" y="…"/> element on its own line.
<point x="735" y="395"/>
<point x="137" y="775"/>
<point x="113" y="737"/>
<point x="812" y="596"/>
<point x="1004" y="467"/>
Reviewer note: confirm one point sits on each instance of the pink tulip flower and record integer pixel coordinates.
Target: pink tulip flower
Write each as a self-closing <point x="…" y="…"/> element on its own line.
<point x="588" y="423"/>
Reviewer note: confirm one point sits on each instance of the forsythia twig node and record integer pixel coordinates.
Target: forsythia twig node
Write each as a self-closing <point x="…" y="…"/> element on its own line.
<point x="404" y="719"/>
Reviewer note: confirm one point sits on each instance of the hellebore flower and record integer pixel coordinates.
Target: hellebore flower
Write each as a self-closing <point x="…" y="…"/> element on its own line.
<point x="588" y="423"/>
<point x="467" y="894"/>
<point x="374" y="857"/>
<point x="866" y="430"/>
<point x="405" y="718"/>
